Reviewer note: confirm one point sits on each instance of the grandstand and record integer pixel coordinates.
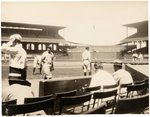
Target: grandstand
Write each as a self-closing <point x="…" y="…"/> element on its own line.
<point x="138" y="41"/>
<point x="68" y="76"/>
<point x="36" y="37"/>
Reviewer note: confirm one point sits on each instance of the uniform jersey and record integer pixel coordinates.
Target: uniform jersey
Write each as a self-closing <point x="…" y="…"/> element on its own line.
<point x="47" y="57"/>
<point x="86" y="55"/>
<point x="37" y="61"/>
<point x="17" y="55"/>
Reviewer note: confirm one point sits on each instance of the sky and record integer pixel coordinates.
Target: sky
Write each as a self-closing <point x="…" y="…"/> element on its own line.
<point x="89" y="22"/>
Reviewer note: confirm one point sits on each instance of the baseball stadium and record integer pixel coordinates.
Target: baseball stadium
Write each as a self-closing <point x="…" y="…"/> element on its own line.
<point x="68" y="91"/>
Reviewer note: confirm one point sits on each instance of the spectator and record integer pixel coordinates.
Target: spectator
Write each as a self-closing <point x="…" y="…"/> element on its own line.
<point x="47" y="59"/>
<point x="134" y="56"/>
<point x="120" y="75"/>
<point x="17" y="89"/>
<point x="101" y="77"/>
<point x="86" y="58"/>
<point x="37" y="64"/>
<point x="140" y="57"/>
<point x="17" y="63"/>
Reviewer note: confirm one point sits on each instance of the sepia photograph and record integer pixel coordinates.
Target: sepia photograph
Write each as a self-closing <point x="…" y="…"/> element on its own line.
<point x="74" y="57"/>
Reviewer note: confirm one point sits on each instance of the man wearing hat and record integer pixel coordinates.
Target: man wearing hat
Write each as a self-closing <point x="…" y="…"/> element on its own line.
<point x="86" y="58"/>
<point x="101" y="77"/>
<point x="47" y="59"/>
<point x="17" y="63"/>
<point x="121" y="75"/>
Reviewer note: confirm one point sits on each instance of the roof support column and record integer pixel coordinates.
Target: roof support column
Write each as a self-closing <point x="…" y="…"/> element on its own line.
<point x="126" y="31"/>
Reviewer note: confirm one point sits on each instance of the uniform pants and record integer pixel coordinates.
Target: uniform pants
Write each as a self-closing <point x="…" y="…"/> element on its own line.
<point x="15" y="72"/>
<point x="47" y="70"/>
<point x="86" y="66"/>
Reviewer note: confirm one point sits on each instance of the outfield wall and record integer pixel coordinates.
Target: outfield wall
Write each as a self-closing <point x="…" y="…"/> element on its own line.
<point x="94" y="55"/>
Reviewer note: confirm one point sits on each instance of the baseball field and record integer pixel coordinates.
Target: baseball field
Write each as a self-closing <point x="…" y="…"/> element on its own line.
<point x="62" y="69"/>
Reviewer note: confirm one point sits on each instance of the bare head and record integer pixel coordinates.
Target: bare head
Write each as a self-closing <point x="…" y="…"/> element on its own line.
<point x="98" y="66"/>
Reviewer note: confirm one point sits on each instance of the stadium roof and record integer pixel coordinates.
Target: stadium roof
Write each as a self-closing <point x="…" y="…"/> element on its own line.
<point x="128" y="40"/>
<point x="39" y="40"/>
<point x="141" y="35"/>
<point x="138" y="24"/>
<point x="26" y="25"/>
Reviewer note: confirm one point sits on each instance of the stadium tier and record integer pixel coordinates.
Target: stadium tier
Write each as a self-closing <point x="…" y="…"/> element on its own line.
<point x="36" y="37"/>
<point x="138" y="39"/>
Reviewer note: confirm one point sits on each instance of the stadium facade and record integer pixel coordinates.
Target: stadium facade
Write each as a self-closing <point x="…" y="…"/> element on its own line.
<point x="36" y="38"/>
<point x="138" y="41"/>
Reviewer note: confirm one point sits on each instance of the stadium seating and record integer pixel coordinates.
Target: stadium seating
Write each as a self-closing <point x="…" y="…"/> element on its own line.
<point x="36" y="99"/>
<point x="110" y="87"/>
<point x="123" y="86"/>
<point x="5" y="105"/>
<point x="62" y="94"/>
<point x="103" y="96"/>
<point x="99" y="110"/>
<point x="136" y="88"/>
<point x="139" y="82"/>
<point x="89" y="89"/>
<point x="135" y="105"/>
<point x="74" y="101"/>
<point x="30" y="107"/>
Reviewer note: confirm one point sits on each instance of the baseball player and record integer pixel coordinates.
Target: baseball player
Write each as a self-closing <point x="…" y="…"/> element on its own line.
<point x="86" y="58"/>
<point x="18" y="56"/>
<point x="37" y="64"/>
<point x="47" y="59"/>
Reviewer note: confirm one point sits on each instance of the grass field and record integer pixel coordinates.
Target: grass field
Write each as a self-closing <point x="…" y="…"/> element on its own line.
<point x="62" y="69"/>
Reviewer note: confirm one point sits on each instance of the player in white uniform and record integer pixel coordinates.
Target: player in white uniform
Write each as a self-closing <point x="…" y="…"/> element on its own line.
<point x="37" y="64"/>
<point x="18" y="56"/>
<point x="47" y="59"/>
<point x="86" y="58"/>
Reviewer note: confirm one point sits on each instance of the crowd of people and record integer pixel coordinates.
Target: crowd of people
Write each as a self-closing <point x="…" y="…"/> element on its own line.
<point x="137" y="57"/>
<point x="18" y="69"/>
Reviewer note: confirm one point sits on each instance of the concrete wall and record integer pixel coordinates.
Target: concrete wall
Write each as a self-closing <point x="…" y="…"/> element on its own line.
<point x="52" y="86"/>
<point x="136" y="74"/>
<point x="94" y="55"/>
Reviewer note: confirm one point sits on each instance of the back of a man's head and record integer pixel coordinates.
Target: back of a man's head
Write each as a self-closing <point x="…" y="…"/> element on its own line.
<point x="98" y="65"/>
<point x="117" y="65"/>
<point x="87" y="48"/>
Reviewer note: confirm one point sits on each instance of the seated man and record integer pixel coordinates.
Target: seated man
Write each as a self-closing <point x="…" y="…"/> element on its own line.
<point x="18" y="89"/>
<point x="121" y="75"/>
<point x="101" y="77"/>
